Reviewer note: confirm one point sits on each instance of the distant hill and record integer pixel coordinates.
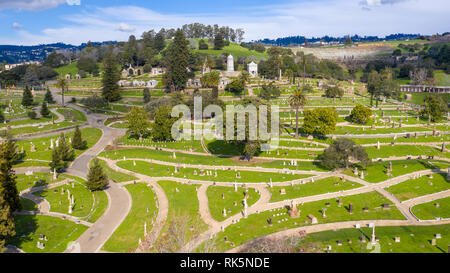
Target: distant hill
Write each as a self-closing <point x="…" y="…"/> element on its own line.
<point x="12" y="54"/>
<point x="298" y="40"/>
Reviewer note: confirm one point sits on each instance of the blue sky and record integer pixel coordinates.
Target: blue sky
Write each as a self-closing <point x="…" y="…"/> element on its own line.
<point x="30" y="22"/>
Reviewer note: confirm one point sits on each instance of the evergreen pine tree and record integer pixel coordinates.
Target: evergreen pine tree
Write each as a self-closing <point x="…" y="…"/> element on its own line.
<point x="6" y="223"/>
<point x="44" y="109"/>
<point x="77" y="141"/>
<point x="27" y="98"/>
<point x="146" y="94"/>
<point x="97" y="179"/>
<point x="111" y="75"/>
<point x="57" y="163"/>
<point x="61" y="155"/>
<point x="177" y="59"/>
<point x="218" y="42"/>
<point x="7" y="176"/>
<point x="64" y="149"/>
<point x="48" y="97"/>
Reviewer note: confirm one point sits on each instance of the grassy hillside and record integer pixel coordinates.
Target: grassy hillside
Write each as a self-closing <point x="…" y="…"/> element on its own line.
<point x="233" y="49"/>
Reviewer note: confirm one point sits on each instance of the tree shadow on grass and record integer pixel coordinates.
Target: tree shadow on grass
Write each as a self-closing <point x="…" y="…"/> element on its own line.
<point x="25" y="227"/>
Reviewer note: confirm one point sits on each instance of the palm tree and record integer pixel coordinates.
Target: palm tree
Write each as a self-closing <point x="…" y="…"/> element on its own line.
<point x="244" y="77"/>
<point x="62" y="83"/>
<point x="297" y="100"/>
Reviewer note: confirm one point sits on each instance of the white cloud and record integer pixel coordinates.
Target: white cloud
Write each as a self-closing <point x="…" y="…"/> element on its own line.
<point x="368" y="4"/>
<point x="30" y="4"/>
<point x="125" y="28"/>
<point x="308" y="18"/>
<point x="16" y="25"/>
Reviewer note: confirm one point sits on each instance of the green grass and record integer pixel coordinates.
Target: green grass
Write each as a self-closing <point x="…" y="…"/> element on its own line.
<point x="406" y="150"/>
<point x="38" y="129"/>
<point x="28" y="205"/>
<point x="256" y="225"/>
<point x="72" y="115"/>
<point x="67" y="69"/>
<point x="217" y="204"/>
<point x="114" y="175"/>
<point x="420" y="242"/>
<point x="156" y="170"/>
<point x="235" y="50"/>
<point x="38" y="179"/>
<point x="186" y="145"/>
<point x="59" y="233"/>
<point x="418" y="98"/>
<point x="182" y="203"/>
<point x="89" y="205"/>
<point x="29" y="121"/>
<point x="441" y="78"/>
<point x="418" y="187"/>
<point x="326" y="185"/>
<point x="42" y="146"/>
<point x="429" y="211"/>
<point x="126" y="237"/>
<point x="377" y="171"/>
<point x="204" y="160"/>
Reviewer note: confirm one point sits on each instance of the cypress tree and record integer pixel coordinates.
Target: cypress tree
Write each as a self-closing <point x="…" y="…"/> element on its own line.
<point x="218" y="42"/>
<point x="97" y="179"/>
<point x="61" y="155"/>
<point x="27" y="98"/>
<point x="49" y="97"/>
<point x="8" y="187"/>
<point x="77" y="141"/>
<point x="146" y="94"/>
<point x="44" y="109"/>
<point x="177" y="59"/>
<point x="6" y="223"/>
<point x="111" y="75"/>
<point x="57" y="163"/>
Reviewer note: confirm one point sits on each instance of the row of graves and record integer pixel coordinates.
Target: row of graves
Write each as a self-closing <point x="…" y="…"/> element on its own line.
<point x="12" y="111"/>
<point x="374" y="239"/>
<point x="53" y="144"/>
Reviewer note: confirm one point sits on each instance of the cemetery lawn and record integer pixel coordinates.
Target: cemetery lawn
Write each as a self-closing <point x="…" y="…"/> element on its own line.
<point x="377" y="171"/>
<point x="403" y="150"/>
<point x="183" y="205"/>
<point x="28" y="205"/>
<point x="43" y="155"/>
<point x="58" y="231"/>
<point x="71" y="114"/>
<point x="429" y="211"/>
<point x="217" y="204"/>
<point x="326" y="185"/>
<point x="185" y="145"/>
<point x="145" y="168"/>
<point x="115" y="176"/>
<point x="38" y="129"/>
<point x="420" y="242"/>
<point x="89" y="206"/>
<point x="38" y="179"/>
<point x="234" y="49"/>
<point x="126" y="237"/>
<point x="204" y="160"/>
<point x="29" y="121"/>
<point x="256" y="225"/>
<point x="418" y="187"/>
